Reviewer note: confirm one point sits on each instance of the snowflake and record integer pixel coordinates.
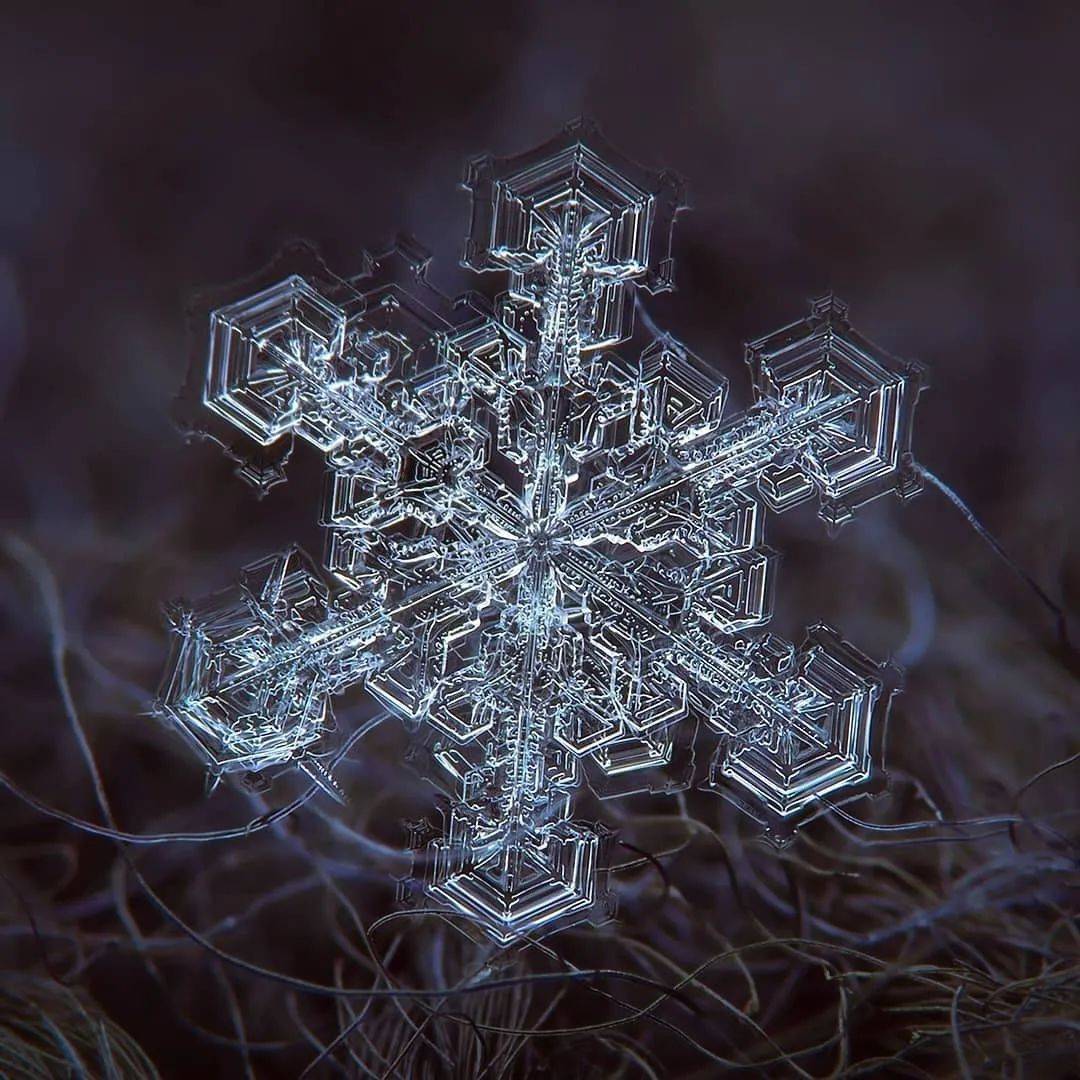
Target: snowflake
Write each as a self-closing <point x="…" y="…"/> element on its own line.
<point x="545" y="555"/>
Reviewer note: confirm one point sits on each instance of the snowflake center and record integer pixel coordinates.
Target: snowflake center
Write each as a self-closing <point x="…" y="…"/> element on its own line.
<point x="545" y="541"/>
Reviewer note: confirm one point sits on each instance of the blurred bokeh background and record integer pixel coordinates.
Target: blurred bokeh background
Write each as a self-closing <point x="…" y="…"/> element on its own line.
<point x="923" y="161"/>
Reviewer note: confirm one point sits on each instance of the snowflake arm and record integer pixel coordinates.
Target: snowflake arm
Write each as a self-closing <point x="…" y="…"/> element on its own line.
<point x="545" y="542"/>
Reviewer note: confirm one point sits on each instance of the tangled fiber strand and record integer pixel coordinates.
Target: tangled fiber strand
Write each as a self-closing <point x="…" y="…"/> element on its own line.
<point x="893" y="935"/>
<point x="48" y="1030"/>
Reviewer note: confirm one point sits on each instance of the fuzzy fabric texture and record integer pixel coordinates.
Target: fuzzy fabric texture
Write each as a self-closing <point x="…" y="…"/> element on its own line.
<point x="921" y="163"/>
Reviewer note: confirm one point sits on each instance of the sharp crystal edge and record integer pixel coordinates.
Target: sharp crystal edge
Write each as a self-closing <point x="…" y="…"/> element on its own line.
<point x="544" y="536"/>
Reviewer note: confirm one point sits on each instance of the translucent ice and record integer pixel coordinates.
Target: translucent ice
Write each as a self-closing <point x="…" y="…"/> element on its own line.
<point x="545" y="539"/>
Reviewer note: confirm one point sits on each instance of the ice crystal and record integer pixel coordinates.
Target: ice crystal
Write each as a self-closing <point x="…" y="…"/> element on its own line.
<point x="545" y="554"/>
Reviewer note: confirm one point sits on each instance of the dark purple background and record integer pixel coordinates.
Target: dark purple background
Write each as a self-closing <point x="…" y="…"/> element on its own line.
<point x="922" y="163"/>
<point x="921" y="160"/>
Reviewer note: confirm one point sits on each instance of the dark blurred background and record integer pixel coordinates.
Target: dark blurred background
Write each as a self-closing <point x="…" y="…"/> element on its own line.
<point x="920" y="160"/>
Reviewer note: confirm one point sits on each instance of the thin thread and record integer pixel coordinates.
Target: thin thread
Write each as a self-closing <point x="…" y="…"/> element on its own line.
<point x="971" y="518"/>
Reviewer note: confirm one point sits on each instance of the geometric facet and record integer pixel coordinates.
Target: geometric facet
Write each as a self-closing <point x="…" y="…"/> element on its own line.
<point x="546" y="555"/>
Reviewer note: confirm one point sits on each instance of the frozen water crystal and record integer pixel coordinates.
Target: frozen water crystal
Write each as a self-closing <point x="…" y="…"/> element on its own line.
<point x="544" y="554"/>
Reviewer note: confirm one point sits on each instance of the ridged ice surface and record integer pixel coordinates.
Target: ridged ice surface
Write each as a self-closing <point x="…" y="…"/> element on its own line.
<point x="545" y="536"/>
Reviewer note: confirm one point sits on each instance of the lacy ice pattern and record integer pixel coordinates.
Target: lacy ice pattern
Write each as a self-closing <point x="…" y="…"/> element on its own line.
<point x="544" y="537"/>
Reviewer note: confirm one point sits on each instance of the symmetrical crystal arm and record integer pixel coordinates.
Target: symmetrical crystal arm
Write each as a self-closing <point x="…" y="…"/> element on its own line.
<point x="544" y="541"/>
